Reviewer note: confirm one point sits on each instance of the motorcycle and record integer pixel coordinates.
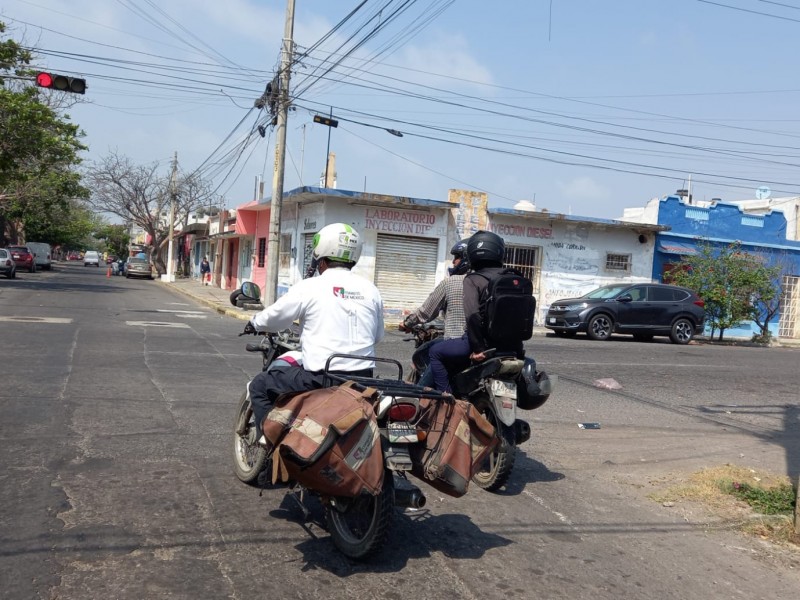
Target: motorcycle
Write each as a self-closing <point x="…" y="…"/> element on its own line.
<point x="358" y="526"/>
<point x="497" y="387"/>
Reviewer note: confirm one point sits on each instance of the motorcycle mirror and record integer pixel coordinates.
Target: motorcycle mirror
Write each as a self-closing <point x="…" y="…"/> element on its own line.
<point x="251" y="291"/>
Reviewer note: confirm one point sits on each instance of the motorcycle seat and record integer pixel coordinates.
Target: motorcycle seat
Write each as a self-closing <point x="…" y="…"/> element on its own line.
<point x="500" y="364"/>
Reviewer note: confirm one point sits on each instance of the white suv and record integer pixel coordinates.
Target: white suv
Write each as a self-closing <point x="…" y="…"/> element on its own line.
<point x="91" y="258"/>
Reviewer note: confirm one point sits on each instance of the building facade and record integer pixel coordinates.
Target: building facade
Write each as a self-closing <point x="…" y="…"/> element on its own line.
<point x="721" y="224"/>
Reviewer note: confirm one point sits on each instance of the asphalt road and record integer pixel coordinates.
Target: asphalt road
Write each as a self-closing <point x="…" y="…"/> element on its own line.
<point x="115" y="418"/>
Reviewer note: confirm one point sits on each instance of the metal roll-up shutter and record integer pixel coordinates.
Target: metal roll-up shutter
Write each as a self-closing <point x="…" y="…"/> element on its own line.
<point x="405" y="269"/>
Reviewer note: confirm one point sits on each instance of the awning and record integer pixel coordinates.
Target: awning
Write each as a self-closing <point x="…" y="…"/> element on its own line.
<point x="195" y="228"/>
<point x="676" y="248"/>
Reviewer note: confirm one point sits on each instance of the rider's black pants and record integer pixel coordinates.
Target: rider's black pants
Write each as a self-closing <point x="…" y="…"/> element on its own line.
<point x="268" y="385"/>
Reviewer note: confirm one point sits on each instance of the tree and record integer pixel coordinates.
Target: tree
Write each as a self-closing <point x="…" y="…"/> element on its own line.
<point x="116" y="238"/>
<point x="141" y="194"/>
<point x="39" y="153"/>
<point x="767" y="295"/>
<point x="730" y="281"/>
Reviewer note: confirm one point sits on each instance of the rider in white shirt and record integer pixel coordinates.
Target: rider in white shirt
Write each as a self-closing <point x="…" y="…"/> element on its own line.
<point x="339" y="312"/>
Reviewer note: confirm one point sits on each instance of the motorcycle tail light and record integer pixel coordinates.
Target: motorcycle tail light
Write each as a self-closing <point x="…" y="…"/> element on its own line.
<point x="402" y="411"/>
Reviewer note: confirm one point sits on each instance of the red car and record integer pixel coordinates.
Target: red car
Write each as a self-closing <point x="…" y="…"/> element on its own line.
<point x="23" y="257"/>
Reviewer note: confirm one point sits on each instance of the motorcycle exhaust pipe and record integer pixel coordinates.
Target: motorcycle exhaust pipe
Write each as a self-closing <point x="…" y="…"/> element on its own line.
<point x="409" y="498"/>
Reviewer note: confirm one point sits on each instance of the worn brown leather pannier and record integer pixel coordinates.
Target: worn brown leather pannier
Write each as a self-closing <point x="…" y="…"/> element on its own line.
<point x="327" y="440"/>
<point x="457" y="441"/>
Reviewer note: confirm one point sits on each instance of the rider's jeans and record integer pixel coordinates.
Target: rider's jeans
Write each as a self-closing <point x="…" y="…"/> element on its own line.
<point x="453" y="354"/>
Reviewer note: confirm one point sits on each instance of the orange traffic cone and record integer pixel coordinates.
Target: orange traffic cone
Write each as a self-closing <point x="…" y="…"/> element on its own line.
<point x="108" y="272"/>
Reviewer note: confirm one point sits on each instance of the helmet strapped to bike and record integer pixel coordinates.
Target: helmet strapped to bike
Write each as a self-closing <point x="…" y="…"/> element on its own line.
<point x="460" y="251"/>
<point x="485" y="247"/>
<point x="338" y="242"/>
<point x="533" y="387"/>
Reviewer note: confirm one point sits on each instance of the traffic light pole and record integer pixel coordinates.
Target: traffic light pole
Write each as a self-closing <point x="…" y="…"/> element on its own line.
<point x="273" y="242"/>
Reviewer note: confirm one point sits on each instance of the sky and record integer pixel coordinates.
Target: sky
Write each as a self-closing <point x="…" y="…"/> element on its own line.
<point x="580" y="106"/>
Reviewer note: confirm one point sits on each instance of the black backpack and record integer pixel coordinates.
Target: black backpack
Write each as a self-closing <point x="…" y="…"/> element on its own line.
<point x="507" y="307"/>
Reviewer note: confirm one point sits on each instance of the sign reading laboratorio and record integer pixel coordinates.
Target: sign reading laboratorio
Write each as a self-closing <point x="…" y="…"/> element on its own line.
<point x="392" y="220"/>
<point x="505" y="230"/>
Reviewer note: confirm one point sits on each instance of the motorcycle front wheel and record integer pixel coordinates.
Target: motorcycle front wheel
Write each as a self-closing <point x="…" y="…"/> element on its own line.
<point x="359" y="526"/>
<point x="497" y="467"/>
<point x="249" y="457"/>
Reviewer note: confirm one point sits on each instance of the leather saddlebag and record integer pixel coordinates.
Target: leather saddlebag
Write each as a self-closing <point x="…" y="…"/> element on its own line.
<point x="327" y="440"/>
<point x="457" y="441"/>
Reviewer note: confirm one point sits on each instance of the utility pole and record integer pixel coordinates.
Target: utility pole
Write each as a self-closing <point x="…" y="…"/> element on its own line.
<point x="173" y="193"/>
<point x="328" y="153"/>
<point x="273" y="243"/>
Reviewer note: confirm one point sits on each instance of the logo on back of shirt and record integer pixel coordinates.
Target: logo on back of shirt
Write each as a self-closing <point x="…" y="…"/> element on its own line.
<point x="340" y="292"/>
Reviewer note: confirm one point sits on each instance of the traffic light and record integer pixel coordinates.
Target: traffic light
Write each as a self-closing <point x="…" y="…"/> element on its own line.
<point x="61" y="83"/>
<point x="326" y="121"/>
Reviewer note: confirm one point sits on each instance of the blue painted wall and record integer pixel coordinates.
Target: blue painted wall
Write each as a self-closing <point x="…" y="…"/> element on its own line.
<point x="720" y="225"/>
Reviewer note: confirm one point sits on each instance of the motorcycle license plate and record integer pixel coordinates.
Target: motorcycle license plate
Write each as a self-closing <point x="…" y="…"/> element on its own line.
<point x="402" y="433"/>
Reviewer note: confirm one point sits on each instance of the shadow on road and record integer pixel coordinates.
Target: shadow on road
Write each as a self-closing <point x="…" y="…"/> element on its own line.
<point x="526" y="470"/>
<point x="413" y="535"/>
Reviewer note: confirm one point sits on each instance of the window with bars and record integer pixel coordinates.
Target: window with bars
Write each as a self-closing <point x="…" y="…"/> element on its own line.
<point x="789" y="323"/>
<point x="262" y="251"/>
<point x="618" y="262"/>
<point x="526" y="260"/>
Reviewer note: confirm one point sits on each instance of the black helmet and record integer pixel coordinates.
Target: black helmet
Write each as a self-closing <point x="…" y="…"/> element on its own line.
<point x="460" y="251"/>
<point x="533" y="387"/>
<point x="486" y="247"/>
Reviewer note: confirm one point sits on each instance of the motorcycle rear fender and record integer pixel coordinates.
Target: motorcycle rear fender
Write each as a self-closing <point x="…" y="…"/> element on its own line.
<point x="503" y="395"/>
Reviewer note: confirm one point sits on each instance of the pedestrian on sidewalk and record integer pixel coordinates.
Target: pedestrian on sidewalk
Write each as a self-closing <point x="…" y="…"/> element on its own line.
<point x="205" y="271"/>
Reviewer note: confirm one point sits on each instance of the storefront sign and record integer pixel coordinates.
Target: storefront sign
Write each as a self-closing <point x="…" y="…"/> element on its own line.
<point x="528" y="231"/>
<point x="399" y="221"/>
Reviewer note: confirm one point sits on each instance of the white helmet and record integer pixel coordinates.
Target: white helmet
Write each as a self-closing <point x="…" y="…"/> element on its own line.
<point x="337" y="242"/>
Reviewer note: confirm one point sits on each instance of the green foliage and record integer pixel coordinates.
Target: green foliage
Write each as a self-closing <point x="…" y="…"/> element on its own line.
<point x="116" y="238"/>
<point x="39" y="155"/>
<point x="778" y="500"/>
<point x="735" y="285"/>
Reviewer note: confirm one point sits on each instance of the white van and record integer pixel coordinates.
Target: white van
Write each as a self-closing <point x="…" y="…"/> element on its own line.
<point x="42" y="254"/>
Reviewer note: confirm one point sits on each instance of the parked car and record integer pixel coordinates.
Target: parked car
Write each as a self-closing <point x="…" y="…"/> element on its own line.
<point x="74" y="256"/>
<point x="138" y="267"/>
<point x="643" y="310"/>
<point x="42" y="254"/>
<point x="7" y="265"/>
<point x="23" y="257"/>
<point x="91" y="258"/>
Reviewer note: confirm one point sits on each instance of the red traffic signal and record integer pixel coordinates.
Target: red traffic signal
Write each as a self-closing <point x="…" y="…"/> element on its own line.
<point x="61" y="83"/>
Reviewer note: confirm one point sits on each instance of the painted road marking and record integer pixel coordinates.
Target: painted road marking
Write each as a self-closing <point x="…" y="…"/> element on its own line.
<point x="156" y="324"/>
<point x="189" y="314"/>
<point x="35" y="320"/>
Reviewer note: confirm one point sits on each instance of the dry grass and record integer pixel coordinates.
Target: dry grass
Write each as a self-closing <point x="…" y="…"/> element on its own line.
<point x="706" y="488"/>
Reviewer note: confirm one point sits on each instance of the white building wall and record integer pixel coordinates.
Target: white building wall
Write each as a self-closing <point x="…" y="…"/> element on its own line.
<point x="573" y="255"/>
<point x="369" y="221"/>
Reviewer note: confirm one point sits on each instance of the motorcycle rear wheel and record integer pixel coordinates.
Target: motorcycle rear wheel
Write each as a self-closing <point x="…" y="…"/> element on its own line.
<point x="497" y="467"/>
<point x="359" y="526"/>
<point x="249" y="457"/>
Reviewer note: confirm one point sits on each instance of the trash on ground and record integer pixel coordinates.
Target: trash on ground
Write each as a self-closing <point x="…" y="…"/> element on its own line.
<point x="607" y="384"/>
<point x="589" y="425"/>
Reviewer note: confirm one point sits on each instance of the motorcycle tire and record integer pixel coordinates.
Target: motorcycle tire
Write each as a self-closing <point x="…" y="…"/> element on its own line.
<point x="359" y="526"/>
<point x="249" y="457"/>
<point x="497" y="468"/>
